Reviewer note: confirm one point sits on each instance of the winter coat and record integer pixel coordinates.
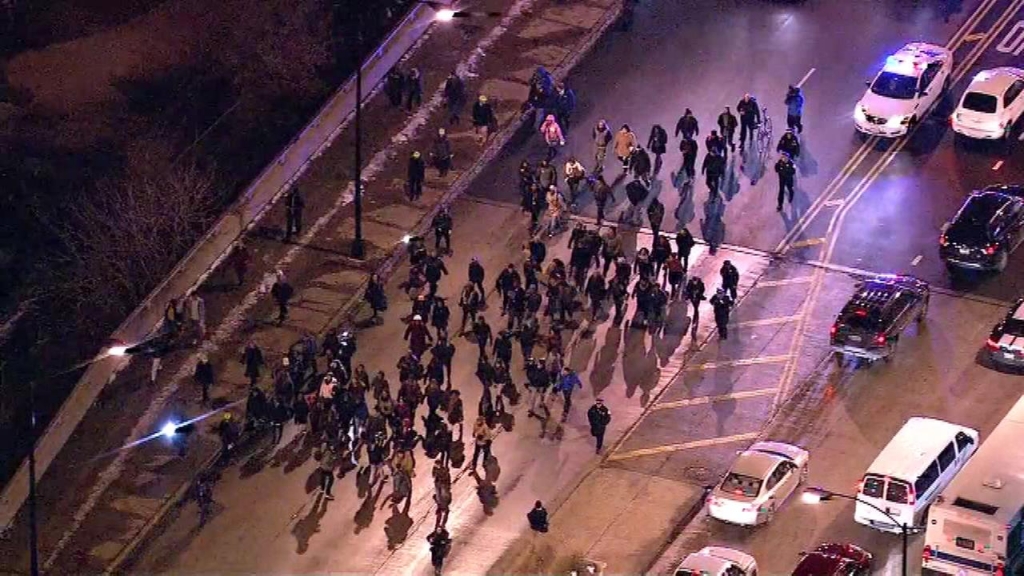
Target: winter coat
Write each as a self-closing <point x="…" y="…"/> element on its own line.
<point x="655" y="213"/>
<point x="476" y="272"/>
<point x="624" y="143"/>
<point x="483" y="114"/>
<point x="785" y="169"/>
<point x="640" y="162"/>
<point x="601" y="137"/>
<point x="727" y="122"/>
<point x="687" y="126"/>
<point x="599" y="417"/>
<point x="417" y="169"/>
<point x="749" y="110"/>
<point x="252" y="358"/>
<point x="455" y="91"/>
<point x="554" y="199"/>
<point x="795" y="103"/>
<point x="442" y="149"/>
<point x="658" y="139"/>
<point x="565" y="102"/>
<point x="547" y="176"/>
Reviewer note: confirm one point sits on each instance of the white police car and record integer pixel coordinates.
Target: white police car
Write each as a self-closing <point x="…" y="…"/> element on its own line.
<point x="911" y="82"/>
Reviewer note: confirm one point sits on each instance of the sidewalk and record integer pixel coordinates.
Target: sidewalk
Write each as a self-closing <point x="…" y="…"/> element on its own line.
<point x="94" y="508"/>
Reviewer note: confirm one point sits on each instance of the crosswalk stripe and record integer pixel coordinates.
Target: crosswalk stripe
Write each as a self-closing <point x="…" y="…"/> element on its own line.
<point x="717" y="398"/>
<point x="684" y="446"/>
<point x="741" y="362"/>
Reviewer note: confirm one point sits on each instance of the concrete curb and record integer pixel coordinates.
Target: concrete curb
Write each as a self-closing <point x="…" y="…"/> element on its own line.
<point x="384" y="270"/>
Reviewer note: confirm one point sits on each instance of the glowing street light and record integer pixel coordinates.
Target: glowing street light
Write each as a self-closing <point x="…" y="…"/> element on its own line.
<point x="117" y="350"/>
<point x="445" y="15"/>
<point x="169" y="429"/>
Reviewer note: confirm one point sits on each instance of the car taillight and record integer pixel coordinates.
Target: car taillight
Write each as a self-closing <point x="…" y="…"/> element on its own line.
<point x="999" y="569"/>
<point x="832" y="331"/>
<point x="942" y="240"/>
<point x="880" y="339"/>
<point x="926" y="554"/>
<point x="912" y="496"/>
<point x="991" y="344"/>
<point x="991" y="248"/>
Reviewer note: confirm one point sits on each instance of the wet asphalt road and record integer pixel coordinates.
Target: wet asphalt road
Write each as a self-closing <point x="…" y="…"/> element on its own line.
<point x="706" y="55"/>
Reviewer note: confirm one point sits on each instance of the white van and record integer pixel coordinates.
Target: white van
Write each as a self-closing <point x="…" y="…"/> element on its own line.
<point x="976" y="526"/>
<point x="911" y="470"/>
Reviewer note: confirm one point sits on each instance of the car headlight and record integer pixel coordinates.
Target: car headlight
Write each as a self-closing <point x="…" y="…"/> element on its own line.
<point x="899" y="120"/>
<point x="858" y="113"/>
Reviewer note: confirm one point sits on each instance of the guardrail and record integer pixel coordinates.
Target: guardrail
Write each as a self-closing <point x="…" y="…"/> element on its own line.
<point x="275" y="179"/>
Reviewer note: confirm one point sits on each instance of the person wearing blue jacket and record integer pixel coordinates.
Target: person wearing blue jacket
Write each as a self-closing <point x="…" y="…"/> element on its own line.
<point x="568" y="382"/>
<point x="795" y="109"/>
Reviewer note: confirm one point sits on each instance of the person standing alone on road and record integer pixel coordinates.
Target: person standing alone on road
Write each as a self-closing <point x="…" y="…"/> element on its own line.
<point x="394" y="86"/>
<point x="750" y="117"/>
<point x="786" y="170"/>
<point x="417" y="172"/>
<point x="293" y="205"/>
<point x="599" y="418"/>
<point x="538" y="518"/>
<point x="795" y="109"/>
<point x="695" y="295"/>
<point x="483" y="118"/>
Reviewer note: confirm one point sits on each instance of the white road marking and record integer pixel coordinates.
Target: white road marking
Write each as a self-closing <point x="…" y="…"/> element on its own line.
<point x="786" y="281"/>
<point x="806" y="76"/>
<point x="712" y="399"/>
<point x="997" y="165"/>
<point x="975" y="37"/>
<point x="917" y="260"/>
<point x="683" y="446"/>
<point x="835" y="202"/>
<point x="766" y="322"/>
<point x="741" y="362"/>
<point x="1021" y="137"/>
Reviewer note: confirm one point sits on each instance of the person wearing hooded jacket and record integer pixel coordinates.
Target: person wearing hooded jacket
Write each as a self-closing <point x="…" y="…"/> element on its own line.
<point x="795" y="109"/>
<point x="727" y="123"/>
<point x="442" y="153"/>
<point x="687" y="126"/>
<point x="552" y="134"/>
<point x="565" y="104"/>
<point x="417" y="172"/>
<point x="657" y="142"/>
<point x="454" y="97"/>
<point x="640" y="163"/>
<point x="601" y="135"/>
<point x="625" y="142"/>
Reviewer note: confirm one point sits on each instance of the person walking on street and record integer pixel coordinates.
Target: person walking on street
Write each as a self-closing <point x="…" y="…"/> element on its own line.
<point x="789" y="144"/>
<point x="599" y="417"/>
<point x="716" y="142"/>
<point x="441" y="154"/>
<point x="328" y="461"/>
<point x="568" y="382"/>
<point x="204" y="376"/>
<point x="483" y="118"/>
<point x="195" y="306"/>
<point x="695" y="295"/>
<point x="574" y="174"/>
<point x="602" y="195"/>
<point x="722" y="304"/>
<point x="442" y="225"/>
<point x="470" y="302"/>
<point x="476" y="275"/>
<point x="713" y="169"/>
<point x="505" y="285"/>
<point x="418" y="336"/>
<point x="687" y="126"/>
<point x="750" y="118"/>
<point x="786" y="170"/>
<point x="555" y="209"/>
<point x="727" y="123"/>
<point x="795" y="109"/>
<point x="655" y="214"/>
<point x="454" y="97"/>
<point x="413" y="89"/>
<point x="552" y="134"/>
<point x="240" y="261"/>
<point x="625" y="142"/>
<point x="688" y="146"/>
<point x="293" y="205"/>
<point x="483" y="437"/>
<point x="601" y="135"/>
<point x="657" y="142"/>
<point x="483" y="334"/>
<point x="440" y="544"/>
<point x="730" y="278"/>
<point x="538" y="517"/>
<point x="433" y="270"/>
<point x="282" y="292"/>
<point x="228" y="433"/>
<point x="547" y="175"/>
<point x="394" y="86"/>
<point x="684" y="244"/>
<point x="565" y="104"/>
<point x="640" y="164"/>
<point x="376" y="297"/>
<point x="252" y="359"/>
<point x="417" y="172"/>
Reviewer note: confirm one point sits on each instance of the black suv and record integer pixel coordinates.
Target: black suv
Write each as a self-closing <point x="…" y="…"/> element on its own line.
<point x="871" y="322"/>
<point x="986" y="229"/>
<point x="1005" y="345"/>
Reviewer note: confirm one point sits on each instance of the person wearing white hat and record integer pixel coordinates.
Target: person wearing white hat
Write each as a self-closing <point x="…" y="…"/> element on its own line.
<point x="418" y="336"/>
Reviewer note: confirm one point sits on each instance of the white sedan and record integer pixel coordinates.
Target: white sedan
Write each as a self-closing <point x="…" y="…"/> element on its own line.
<point x="718" y="561"/>
<point x="991" y="105"/>
<point x="760" y="480"/>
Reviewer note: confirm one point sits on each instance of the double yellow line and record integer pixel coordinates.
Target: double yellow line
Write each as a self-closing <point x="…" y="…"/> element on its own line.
<point x="831" y="192"/>
<point x="828" y="195"/>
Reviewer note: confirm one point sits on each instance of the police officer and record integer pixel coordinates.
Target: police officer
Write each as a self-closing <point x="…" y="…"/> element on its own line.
<point x="722" y="304"/>
<point x="788" y="144"/>
<point x="727" y="124"/>
<point x="787" y="173"/>
<point x="750" y="117"/>
<point x="442" y="225"/>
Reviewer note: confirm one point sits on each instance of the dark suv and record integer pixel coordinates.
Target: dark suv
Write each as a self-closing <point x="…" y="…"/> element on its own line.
<point x="986" y="229"/>
<point x="1005" y="345"/>
<point x="871" y="322"/>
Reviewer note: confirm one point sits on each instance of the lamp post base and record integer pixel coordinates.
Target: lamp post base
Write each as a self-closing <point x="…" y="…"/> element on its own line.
<point x="358" y="249"/>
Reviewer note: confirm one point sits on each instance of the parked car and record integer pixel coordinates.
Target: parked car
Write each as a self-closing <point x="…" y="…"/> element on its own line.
<point x="984" y="232"/>
<point x="759" y="481"/>
<point x="718" y="561"/>
<point x="991" y="105"/>
<point x="881" y="308"/>
<point x="1005" y="346"/>
<point x="831" y="559"/>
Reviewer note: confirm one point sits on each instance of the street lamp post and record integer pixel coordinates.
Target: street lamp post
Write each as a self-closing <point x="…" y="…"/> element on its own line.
<point x="817" y="494"/>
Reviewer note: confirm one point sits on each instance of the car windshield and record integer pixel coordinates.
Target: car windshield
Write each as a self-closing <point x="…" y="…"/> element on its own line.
<point x="741" y="485"/>
<point x="892" y="85"/>
<point x="978" y="102"/>
<point x="1014" y="327"/>
<point x="979" y="209"/>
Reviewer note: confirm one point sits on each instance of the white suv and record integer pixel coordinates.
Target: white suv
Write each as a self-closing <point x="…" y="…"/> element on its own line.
<point x="717" y="561"/>
<point x="991" y="105"/>
<point x="911" y="82"/>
